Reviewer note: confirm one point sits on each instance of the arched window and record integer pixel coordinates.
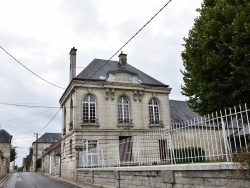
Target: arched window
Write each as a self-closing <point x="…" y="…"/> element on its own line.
<point x="123" y="110"/>
<point x="71" y="111"/>
<point x="89" y="109"/>
<point x="64" y="117"/>
<point x="154" y="116"/>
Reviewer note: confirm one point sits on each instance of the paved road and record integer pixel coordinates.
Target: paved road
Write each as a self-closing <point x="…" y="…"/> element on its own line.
<point x="32" y="180"/>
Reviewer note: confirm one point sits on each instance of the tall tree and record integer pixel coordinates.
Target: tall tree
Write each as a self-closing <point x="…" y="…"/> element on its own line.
<point x="216" y="56"/>
<point x="13" y="154"/>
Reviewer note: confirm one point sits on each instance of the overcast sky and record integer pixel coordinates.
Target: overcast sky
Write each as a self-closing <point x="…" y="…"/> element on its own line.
<point x="40" y="35"/>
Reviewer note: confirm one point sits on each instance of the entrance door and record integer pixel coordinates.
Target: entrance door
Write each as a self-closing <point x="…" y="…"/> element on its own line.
<point x="125" y="148"/>
<point x="163" y="150"/>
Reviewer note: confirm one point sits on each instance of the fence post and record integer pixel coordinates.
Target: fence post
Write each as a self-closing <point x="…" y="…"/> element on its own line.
<point x="171" y="146"/>
<point x="225" y="138"/>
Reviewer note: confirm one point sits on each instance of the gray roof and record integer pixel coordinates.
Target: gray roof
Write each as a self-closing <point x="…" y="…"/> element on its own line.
<point x="49" y="138"/>
<point x="98" y="70"/>
<point x="180" y="112"/>
<point x="5" y="137"/>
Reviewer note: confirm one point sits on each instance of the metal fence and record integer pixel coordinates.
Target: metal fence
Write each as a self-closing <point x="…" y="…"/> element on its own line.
<point x="213" y="137"/>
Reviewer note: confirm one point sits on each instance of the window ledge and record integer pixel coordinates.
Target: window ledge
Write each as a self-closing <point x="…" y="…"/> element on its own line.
<point x="70" y="156"/>
<point x="156" y="125"/>
<point x="125" y="125"/>
<point x="90" y="124"/>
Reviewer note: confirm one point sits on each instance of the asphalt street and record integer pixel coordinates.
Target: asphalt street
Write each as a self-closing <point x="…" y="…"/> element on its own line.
<point x="32" y="180"/>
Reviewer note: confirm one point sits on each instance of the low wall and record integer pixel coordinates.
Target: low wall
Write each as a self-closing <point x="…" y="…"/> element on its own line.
<point x="166" y="176"/>
<point x="4" y="166"/>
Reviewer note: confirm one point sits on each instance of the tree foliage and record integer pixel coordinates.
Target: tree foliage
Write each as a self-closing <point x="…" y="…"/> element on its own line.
<point x="28" y="159"/>
<point x="216" y="57"/>
<point x="13" y="154"/>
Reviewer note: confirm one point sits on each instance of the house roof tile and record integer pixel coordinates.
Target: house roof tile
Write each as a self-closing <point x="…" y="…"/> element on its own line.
<point x="5" y="137"/>
<point x="99" y="69"/>
<point x="180" y="112"/>
<point x="49" y="138"/>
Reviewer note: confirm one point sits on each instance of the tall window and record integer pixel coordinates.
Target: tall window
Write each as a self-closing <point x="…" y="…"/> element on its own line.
<point x="89" y="109"/>
<point x="64" y="117"/>
<point x="70" y="147"/>
<point x="154" y="116"/>
<point x="123" y="110"/>
<point x="71" y="110"/>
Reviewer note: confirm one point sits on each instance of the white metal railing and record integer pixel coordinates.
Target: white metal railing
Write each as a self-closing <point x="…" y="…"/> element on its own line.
<point x="210" y="138"/>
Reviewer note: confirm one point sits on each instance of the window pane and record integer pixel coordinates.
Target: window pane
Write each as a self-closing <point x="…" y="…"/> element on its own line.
<point x="123" y="110"/>
<point x="89" y="109"/>
<point x="154" y="116"/>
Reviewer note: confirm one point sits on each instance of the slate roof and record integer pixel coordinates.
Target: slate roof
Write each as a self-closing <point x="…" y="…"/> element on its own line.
<point x="5" y="137"/>
<point x="49" y="138"/>
<point x="100" y="68"/>
<point x="180" y="112"/>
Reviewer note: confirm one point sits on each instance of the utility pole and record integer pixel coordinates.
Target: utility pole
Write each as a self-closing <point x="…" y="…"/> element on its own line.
<point x="36" y="150"/>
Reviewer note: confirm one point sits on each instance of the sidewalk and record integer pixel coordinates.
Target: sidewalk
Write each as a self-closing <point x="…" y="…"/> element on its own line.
<point x="73" y="183"/>
<point x="3" y="178"/>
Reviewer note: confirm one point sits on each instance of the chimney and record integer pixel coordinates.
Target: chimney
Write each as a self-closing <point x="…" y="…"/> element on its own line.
<point x="123" y="59"/>
<point x="72" y="71"/>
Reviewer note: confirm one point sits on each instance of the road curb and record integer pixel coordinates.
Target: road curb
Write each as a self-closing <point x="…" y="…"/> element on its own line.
<point x="71" y="183"/>
<point x="4" y="179"/>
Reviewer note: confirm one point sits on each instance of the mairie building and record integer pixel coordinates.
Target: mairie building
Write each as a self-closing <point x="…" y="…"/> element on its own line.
<point x="107" y="102"/>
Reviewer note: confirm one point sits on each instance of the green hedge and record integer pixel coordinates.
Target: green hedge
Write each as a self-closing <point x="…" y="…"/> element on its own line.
<point x="189" y="154"/>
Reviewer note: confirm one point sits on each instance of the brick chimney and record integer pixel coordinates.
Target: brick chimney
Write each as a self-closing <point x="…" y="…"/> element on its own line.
<point x="123" y="59"/>
<point x="72" y="71"/>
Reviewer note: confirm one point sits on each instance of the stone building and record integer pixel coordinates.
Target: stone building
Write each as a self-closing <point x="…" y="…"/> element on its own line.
<point x="5" y="148"/>
<point x="107" y="102"/>
<point x="42" y="143"/>
<point x="5" y="143"/>
<point x="51" y="159"/>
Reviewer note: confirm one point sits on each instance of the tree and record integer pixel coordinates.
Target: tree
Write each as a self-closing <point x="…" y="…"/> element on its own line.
<point x="216" y="56"/>
<point x="13" y="154"/>
<point x="27" y="162"/>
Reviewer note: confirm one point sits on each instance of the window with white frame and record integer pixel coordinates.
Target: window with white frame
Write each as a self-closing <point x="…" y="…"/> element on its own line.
<point x="89" y="109"/>
<point x="123" y="110"/>
<point x="90" y="153"/>
<point x="154" y="116"/>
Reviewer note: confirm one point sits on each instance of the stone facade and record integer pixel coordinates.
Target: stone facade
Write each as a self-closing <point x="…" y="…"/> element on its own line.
<point x="106" y="128"/>
<point x="51" y="159"/>
<point x="4" y="166"/>
<point x="40" y="148"/>
<point x="6" y="148"/>
<point x="177" y="176"/>
<point x="42" y="143"/>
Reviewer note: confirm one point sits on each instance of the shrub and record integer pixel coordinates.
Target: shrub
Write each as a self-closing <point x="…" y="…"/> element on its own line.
<point x="189" y="154"/>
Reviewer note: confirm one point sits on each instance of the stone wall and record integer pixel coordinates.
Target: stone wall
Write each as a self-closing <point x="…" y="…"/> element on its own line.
<point x="174" y="176"/>
<point x="4" y="166"/>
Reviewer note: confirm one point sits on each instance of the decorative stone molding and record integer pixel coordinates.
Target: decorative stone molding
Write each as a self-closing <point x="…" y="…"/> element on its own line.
<point x="140" y="96"/>
<point x="123" y="77"/>
<point x="110" y="93"/>
<point x="89" y="90"/>
<point x="107" y="94"/>
<point x="135" y="95"/>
